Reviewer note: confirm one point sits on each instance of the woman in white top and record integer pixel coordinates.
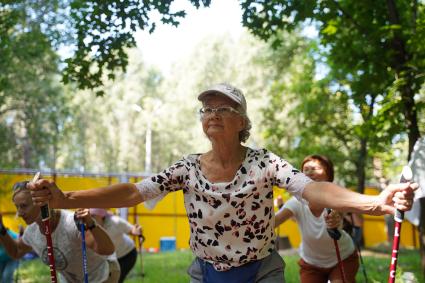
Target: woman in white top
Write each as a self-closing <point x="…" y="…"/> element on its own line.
<point x="319" y="262"/>
<point x="228" y="195"/>
<point x="66" y="241"/>
<point x="118" y="229"/>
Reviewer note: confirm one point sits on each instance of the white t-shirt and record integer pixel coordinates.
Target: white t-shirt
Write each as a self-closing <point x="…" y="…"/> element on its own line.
<point x="67" y="251"/>
<point x="230" y="223"/>
<point x="317" y="247"/>
<point x="118" y="229"/>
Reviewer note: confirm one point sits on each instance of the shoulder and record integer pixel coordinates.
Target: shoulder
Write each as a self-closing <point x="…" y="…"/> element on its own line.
<point x="31" y="234"/>
<point x="264" y="153"/>
<point x="67" y="215"/>
<point x="258" y="155"/>
<point x="113" y="219"/>
<point x="294" y="201"/>
<point x="191" y="158"/>
<point x="185" y="162"/>
<point x="293" y="204"/>
<point x="31" y="228"/>
<point x="67" y="220"/>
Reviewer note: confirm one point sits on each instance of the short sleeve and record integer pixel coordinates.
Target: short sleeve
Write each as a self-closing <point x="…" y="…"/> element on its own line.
<point x="158" y="186"/>
<point x="293" y="205"/>
<point x="122" y="224"/>
<point x="286" y="176"/>
<point x="26" y="237"/>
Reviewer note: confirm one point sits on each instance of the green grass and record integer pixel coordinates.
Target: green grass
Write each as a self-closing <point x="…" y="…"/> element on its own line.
<point x="162" y="267"/>
<point x="171" y="267"/>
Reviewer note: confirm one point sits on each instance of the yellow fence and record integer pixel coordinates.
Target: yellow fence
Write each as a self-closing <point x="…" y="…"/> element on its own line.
<point x="168" y="218"/>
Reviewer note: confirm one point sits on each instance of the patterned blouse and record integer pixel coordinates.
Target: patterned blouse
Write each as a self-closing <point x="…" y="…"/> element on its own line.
<point x="230" y="223"/>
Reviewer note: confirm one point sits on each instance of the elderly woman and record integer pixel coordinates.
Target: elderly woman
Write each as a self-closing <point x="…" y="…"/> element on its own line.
<point x="66" y="241"/>
<point x="228" y="195"/>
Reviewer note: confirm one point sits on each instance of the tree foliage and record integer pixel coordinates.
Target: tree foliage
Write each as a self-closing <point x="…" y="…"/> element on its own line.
<point x="32" y="106"/>
<point x="97" y="33"/>
<point x="376" y="48"/>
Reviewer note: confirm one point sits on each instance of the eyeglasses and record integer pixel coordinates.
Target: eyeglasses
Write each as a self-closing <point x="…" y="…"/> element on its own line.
<point x="308" y="169"/>
<point x="223" y="111"/>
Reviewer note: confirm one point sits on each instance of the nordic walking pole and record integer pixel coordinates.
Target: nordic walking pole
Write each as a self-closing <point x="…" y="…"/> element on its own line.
<point x="45" y="218"/>
<point x="336" y="235"/>
<point x="84" y="250"/>
<point x="21" y="232"/>
<point x="360" y="253"/>
<point x="406" y="176"/>
<point x="81" y="226"/>
<point x="141" y="240"/>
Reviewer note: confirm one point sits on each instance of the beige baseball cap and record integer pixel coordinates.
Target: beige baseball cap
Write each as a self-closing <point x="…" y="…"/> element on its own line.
<point x="228" y="90"/>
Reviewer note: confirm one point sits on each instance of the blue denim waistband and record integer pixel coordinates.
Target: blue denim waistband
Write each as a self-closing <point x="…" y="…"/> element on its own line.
<point x="245" y="273"/>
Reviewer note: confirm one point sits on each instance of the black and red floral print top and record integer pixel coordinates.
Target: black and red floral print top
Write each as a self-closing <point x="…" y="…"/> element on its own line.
<point x="230" y="223"/>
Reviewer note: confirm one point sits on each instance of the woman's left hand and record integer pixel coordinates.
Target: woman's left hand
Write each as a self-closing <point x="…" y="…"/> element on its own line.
<point x="84" y="215"/>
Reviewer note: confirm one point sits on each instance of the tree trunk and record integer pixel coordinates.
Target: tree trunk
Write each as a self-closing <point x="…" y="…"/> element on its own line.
<point x="361" y="165"/>
<point x="26" y="153"/>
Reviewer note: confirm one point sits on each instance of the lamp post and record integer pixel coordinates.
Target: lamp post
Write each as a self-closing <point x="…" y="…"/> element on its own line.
<point x="148" y="146"/>
<point x="148" y="139"/>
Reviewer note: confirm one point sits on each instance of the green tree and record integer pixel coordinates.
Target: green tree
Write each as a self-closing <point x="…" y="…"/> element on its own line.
<point x="303" y="116"/>
<point x="380" y="42"/>
<point x="33" y="107"/>
<point x="377" y="47"/>
<point x="97" y="32"/>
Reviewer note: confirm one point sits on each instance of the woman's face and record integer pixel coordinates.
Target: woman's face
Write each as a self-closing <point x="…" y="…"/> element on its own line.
<point x="315" y="171"/>
<point x="25" y="207"/>
<point x="225" y="124"/>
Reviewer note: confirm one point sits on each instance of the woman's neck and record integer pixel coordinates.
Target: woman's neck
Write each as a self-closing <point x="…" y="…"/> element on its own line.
<point x="225" y="154"/>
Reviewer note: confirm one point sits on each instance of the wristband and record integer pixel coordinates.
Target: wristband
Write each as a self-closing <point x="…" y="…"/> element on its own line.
<point x="92" y="226"/>
<point x="78" y="223"/>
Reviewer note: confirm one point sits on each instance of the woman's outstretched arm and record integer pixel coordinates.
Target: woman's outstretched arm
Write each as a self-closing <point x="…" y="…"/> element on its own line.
<point x="330" y="195"/>
<point x="118" y="195"/>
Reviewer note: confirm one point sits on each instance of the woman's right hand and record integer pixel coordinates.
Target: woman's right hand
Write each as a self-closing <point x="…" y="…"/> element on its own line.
<point x="137" y="230"/>
<point x="44" y="191"/>
<point x="333" y="220"/>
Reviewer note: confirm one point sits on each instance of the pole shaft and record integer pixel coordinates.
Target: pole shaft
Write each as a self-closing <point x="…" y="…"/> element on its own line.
<point x="340" y="264"/>
<point x="50" y="254"/>
<point x="394" y="254"/>
<point x="84" y="252"/>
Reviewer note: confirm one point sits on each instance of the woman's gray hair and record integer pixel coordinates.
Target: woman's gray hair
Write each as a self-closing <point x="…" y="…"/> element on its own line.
<point x="244" y="134"/>
<point x="19" y="187"/>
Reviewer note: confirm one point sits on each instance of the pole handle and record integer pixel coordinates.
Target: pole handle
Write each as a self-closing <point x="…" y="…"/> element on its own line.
<point x="334" y="233"/>
<point x="45" y="212"/>
<point x="406" y="176"/>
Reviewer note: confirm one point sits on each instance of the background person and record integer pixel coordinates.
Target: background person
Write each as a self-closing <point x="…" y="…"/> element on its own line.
<point x="318" y="261"/>
<point x="66" y="241"/>
<point x="118" y="230"/>
<point x="353" y="225"/>
<point x="228" y="195"/>
<point x="8" y="265"/>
